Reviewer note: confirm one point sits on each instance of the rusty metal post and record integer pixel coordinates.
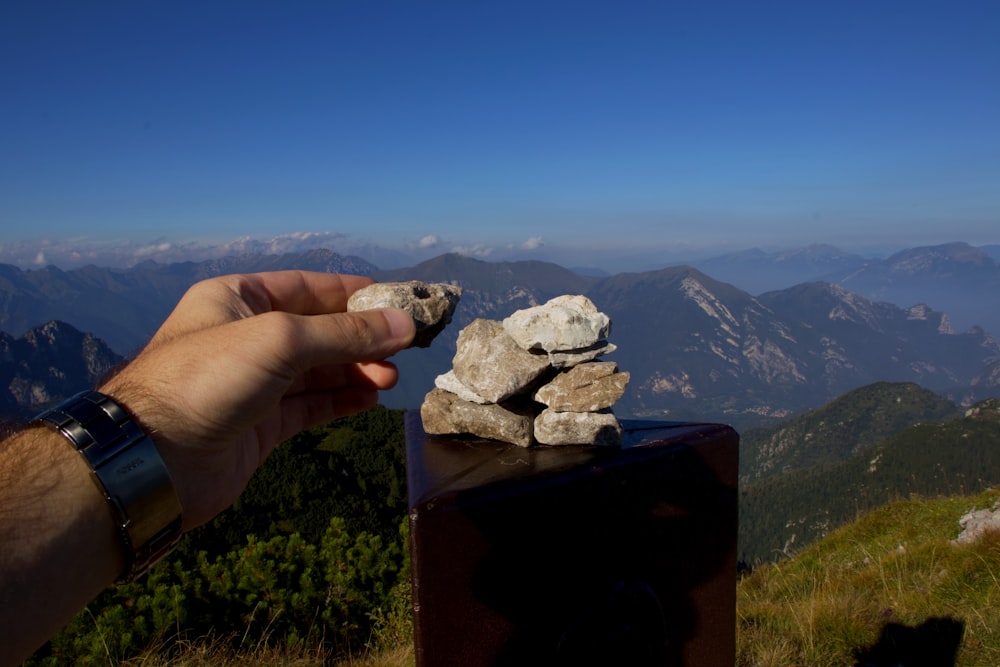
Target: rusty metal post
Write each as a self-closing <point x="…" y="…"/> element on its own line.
<point x="575" y="555"/>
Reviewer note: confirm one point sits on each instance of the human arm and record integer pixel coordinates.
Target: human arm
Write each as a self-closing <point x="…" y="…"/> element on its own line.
<point x="242" y="363"/>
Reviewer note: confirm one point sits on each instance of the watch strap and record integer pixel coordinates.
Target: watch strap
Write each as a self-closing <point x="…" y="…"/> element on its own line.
<point x="129" y="471"/>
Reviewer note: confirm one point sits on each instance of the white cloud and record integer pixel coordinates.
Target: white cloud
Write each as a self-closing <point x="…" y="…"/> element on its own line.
<point x="72" y="253"/>
<point x="476" y="250"/>
<point x="152" y="249"/>
<point x="428" y="241"/>
<point x="533" y="243"/>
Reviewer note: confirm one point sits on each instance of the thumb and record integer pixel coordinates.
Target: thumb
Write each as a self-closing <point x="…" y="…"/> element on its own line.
<point x="368" y="335"/>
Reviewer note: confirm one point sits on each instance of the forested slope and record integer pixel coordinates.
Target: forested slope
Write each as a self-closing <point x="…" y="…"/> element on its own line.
<point x="958" y="456"/>
<point x="314" y="551"/>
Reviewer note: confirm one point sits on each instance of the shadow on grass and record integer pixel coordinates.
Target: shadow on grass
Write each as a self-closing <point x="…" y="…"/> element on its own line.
<point x="933" y="643"/>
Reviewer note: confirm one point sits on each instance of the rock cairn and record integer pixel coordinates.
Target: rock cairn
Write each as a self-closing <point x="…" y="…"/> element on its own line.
<point x="532" y="378"/>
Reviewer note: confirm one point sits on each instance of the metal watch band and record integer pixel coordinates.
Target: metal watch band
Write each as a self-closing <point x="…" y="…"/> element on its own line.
<point x="129" y="471"/>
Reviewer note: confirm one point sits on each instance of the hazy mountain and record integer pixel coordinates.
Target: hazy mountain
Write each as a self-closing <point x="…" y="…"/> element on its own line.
<point x="956" y="277"/>
<point x="757" y="271"/>
<point x="125" y="306"/>
<point x="959" y="279"/>
<point x="952" y="457"/>
<point x="47" y="364"/>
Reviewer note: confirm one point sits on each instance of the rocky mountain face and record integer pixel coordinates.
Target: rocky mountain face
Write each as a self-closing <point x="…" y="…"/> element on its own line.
<point x="47" y="364"/>
<point x="758" y="271"/>
<point x="696" y="348"/>
<point x="125" y="306"/>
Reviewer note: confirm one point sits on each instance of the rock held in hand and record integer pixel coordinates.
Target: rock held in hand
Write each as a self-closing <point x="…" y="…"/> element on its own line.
<point x="431" y="305"/>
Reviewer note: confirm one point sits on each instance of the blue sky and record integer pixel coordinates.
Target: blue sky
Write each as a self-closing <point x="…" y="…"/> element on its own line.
<point x="564" y="128"/>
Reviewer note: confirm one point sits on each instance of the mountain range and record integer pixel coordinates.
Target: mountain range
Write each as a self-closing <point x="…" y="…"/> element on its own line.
<point x="697" y="348"/>
<point x="957" y="278"/>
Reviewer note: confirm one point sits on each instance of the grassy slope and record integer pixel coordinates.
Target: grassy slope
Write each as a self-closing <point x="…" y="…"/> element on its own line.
<point x="895" y="565"/>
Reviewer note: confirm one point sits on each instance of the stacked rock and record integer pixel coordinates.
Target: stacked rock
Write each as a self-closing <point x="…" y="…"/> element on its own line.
<point x="533" y="378"/>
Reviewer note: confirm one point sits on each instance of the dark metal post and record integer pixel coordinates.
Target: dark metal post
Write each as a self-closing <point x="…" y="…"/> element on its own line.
<point x="578" y="555"/>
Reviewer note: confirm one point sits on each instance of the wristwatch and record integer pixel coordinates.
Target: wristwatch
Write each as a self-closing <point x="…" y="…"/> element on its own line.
<point x="129" y="471"/>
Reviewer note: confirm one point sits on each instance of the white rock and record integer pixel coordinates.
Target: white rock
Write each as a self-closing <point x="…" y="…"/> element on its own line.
<point x="569" y="322"/>
<point x="578" y="428"/>
<point x="450" y="382"/>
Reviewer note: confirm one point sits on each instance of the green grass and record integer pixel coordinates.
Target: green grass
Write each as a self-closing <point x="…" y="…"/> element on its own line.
<point x="896" y="564"/>
<point x="207" y="652"/>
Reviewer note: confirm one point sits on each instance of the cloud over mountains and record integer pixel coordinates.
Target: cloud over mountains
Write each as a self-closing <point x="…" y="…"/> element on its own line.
<point x="81" y="251"/>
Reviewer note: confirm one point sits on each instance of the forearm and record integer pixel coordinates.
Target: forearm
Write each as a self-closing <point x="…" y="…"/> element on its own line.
<point x="242" y="363"/>
<point x="59" y="546"/>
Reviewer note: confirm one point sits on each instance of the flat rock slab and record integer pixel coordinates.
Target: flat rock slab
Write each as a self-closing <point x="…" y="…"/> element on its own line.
<point x="431" y="305"/>
<point x="586" y="387"/>
<point x="574" y="428"/>
<point x="444" y="413"/>
<point x="569" y="358"/>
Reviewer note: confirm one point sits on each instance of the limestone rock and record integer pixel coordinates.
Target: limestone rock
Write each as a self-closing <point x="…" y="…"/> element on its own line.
<point x="584" y="388"/>
<point x="568" y="322"/>
<point x="575" y="428"/>
<point x="977" y="522"/>
<point x="444" y="413"/>
<point x="450" y="382"/>
<point x="431" y="305"/>
<point x="492" y="365"/>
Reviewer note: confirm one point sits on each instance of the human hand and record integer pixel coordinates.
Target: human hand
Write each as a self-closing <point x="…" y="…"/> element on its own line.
<point x="246" y="361"/>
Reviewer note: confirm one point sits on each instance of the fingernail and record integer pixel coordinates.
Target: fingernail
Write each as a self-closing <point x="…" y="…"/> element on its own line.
<point x="400" y="323"/>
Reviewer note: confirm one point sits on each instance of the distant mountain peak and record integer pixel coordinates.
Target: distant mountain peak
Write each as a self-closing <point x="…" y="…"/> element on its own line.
<point x="938" y="258"/>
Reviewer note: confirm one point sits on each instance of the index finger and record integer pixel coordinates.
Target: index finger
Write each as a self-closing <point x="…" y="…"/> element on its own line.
<point x="228" y="298"/>
<point x="297" y="292"/>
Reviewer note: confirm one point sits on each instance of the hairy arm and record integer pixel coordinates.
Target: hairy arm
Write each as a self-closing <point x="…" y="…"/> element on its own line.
<point x="242" y="363"/>
<point x="60" y="547"/>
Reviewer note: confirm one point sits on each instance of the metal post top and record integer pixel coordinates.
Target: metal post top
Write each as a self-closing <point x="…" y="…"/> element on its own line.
<point x="439" y="465"/>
